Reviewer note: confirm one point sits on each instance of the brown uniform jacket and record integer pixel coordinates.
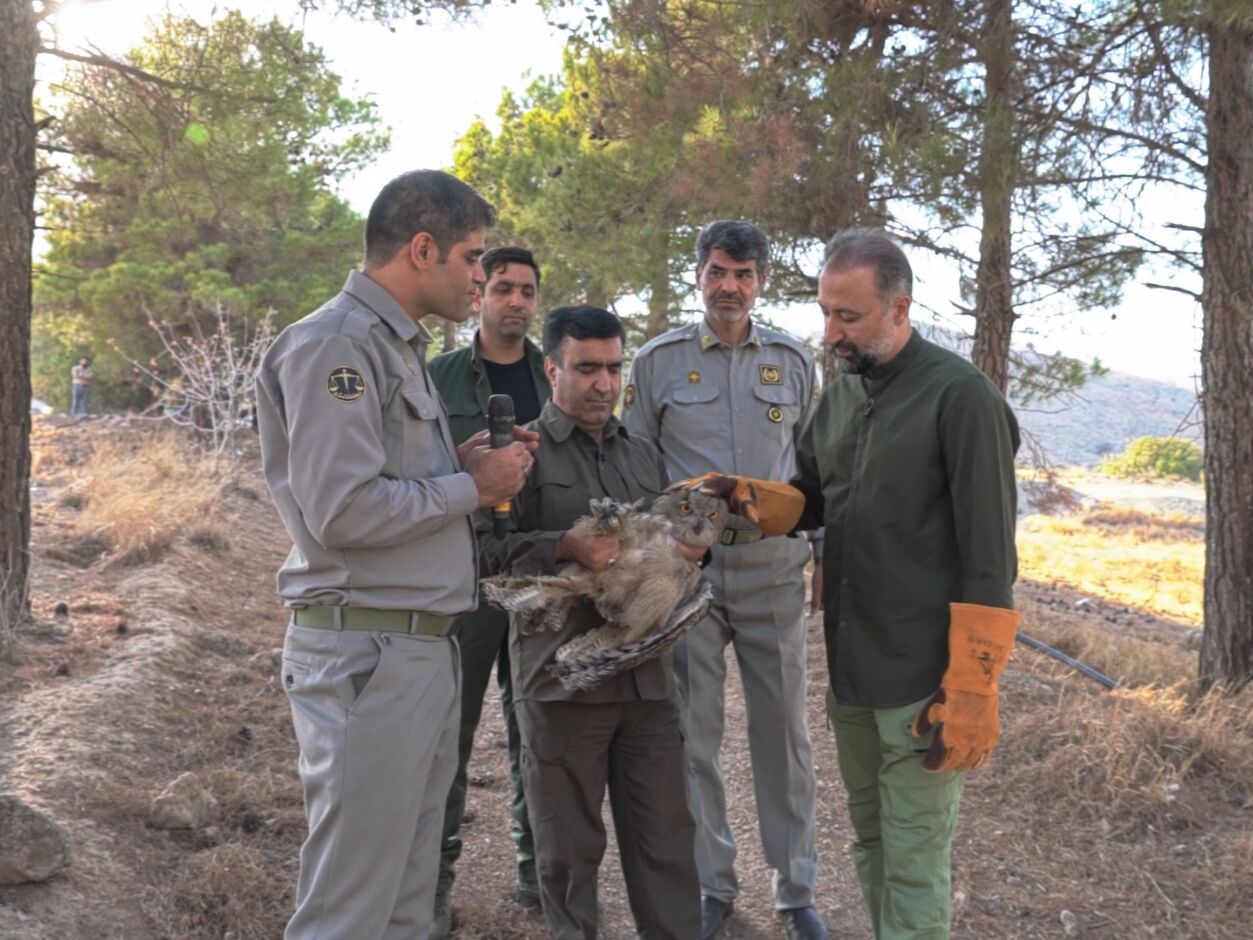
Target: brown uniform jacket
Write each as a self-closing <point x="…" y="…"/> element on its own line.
<point x="570" y="470"/>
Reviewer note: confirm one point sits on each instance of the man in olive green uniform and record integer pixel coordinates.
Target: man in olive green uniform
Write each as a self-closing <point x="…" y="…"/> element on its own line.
<point x="377" y="500"/>
<point x="624" y="734"/>
<point x="500" y="360"/>
<point x="909" y="461"/>
<point x="731" y="396"/>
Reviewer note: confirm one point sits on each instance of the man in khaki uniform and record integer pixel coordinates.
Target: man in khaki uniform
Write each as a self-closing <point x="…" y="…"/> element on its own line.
<point x="623" y="734"/>
<point x="361" y="465"/>
<point x="731" y="396"/>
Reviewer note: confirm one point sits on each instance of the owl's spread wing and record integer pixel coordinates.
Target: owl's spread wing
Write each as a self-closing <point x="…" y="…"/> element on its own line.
<point x="580" y="667"/>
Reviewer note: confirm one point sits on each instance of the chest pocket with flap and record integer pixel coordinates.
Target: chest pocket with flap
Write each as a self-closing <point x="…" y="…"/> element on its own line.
<point x="424" y="452"/>
<point x="557" y="501"/>
<point x="695" y="413"/>
<point x="777" y="410"/>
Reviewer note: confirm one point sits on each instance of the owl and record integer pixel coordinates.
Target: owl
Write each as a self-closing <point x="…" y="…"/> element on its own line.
<point x="648" y="597"/>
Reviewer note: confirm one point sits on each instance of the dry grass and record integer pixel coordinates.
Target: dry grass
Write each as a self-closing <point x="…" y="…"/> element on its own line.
<point x="221" y="891"/>
<point x="1149" y="562"/>
<point x="1126" y="655"/>
<point x="1131" y="760"/>
<point x="139" y="495"/>
<point x="1143" y="526"/>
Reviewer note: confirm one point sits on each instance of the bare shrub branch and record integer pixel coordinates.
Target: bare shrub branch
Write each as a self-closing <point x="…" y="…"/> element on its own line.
<point x="211" y="373"/>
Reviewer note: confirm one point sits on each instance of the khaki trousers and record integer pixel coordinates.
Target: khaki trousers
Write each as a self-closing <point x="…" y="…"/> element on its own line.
<point x="903" y="818"/>
<point x="758" y="610"/>
<point x="376" y="718"/>
<point x="572" y="752"/>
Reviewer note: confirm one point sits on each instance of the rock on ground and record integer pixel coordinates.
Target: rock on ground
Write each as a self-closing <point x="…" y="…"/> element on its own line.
<point x="32" y="846"/>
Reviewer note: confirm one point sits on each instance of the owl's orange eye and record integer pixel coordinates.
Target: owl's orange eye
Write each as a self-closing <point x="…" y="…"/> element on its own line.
<point x="685" y="509"/>
<point x="714" y="514"/>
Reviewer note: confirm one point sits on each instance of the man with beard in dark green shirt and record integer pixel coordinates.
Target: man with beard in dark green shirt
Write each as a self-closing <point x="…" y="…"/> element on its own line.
<point x="909" y="463"/>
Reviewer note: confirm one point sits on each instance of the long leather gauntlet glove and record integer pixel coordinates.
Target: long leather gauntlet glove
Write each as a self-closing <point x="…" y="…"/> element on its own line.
<point x="966" y="709"/>
<point x="772" y="507"/>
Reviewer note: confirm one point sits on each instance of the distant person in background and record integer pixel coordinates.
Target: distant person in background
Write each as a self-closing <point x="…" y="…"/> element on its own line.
<point x="80" y="386"/>
<point x="499" y="361"/>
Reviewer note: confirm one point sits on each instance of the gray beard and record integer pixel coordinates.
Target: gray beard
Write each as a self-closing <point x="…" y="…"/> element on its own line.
<point x="858" y="363"/>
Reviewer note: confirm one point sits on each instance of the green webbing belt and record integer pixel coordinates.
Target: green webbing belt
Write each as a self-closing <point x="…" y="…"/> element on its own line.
<point x="373" y="618"/>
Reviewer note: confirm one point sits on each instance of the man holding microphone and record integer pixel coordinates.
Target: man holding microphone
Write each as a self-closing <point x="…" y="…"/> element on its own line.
<point x="377" y="499"/>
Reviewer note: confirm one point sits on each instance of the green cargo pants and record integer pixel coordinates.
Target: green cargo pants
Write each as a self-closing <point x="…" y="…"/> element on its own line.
<point x="482" y="636"/>
<point x="903" y="818"/>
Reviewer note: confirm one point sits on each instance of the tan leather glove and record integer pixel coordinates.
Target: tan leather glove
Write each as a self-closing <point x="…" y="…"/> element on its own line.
<point x="966" y="709"/>
<point x="774" y="508"/>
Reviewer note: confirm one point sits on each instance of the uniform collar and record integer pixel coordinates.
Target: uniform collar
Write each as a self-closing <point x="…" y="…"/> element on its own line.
<point x="708" y="338"/>
<point x="373" y="295"/>
<point x="560" y="426"/>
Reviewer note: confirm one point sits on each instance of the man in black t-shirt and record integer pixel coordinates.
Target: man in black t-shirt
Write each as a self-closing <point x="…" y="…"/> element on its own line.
<point x="501" y="360"/>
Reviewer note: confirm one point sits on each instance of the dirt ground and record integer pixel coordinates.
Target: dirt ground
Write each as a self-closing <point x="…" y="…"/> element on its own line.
<point x="170" y="665"/>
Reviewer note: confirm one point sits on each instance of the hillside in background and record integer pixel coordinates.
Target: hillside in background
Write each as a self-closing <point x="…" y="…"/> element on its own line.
<point x="1109" y="411"/>
<point x="1101" y="417"/>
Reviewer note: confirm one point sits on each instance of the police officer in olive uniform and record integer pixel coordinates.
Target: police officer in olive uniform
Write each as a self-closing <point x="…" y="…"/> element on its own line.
<point x="624" y="734"/>
<point x="728" y="395"/>
<point x="377" y="500"/>
<point x="500" y="360"/>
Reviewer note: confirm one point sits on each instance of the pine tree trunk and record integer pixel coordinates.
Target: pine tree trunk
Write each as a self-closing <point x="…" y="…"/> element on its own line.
<point x="17" y="224"/>
<point x="659" y="294"/>
<point x="994" y="286"/>
<point x="1227" y="360"/>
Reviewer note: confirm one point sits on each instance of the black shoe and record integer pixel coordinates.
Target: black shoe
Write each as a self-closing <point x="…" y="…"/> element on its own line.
<point x="803" y="923"/>
<point x="713" y="915"/>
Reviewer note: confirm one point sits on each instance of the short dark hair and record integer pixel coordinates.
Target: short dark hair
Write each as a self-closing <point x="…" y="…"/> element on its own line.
<point x="743" y="241"/>
<point x="871" y="247"/>
<point x="497" y="259"/>
<point x="428" y="201"/>
<point x="581" y="321"/>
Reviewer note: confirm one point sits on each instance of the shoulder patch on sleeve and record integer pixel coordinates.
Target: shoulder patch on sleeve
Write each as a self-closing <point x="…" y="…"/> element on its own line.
<point x="345" y="384"/>
<point x="628" y="396"/>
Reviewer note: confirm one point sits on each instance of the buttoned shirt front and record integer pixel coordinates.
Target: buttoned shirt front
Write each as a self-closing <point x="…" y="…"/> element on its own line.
<point x="710" y="405"/>
<point x="361" y="464"/>
<point x="911" y="466"/>
<point x="571" y="469"/>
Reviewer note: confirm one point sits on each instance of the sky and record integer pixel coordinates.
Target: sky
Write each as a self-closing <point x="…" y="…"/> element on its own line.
<point x="431" y="82"/>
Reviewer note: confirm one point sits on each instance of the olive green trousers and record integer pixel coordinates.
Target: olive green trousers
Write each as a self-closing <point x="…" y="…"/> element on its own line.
<point x="482" y="639"/>
<point x="903" y="819"/>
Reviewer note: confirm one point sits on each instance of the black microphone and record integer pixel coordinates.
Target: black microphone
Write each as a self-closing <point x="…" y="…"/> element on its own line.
<point x="500" y="420"/>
